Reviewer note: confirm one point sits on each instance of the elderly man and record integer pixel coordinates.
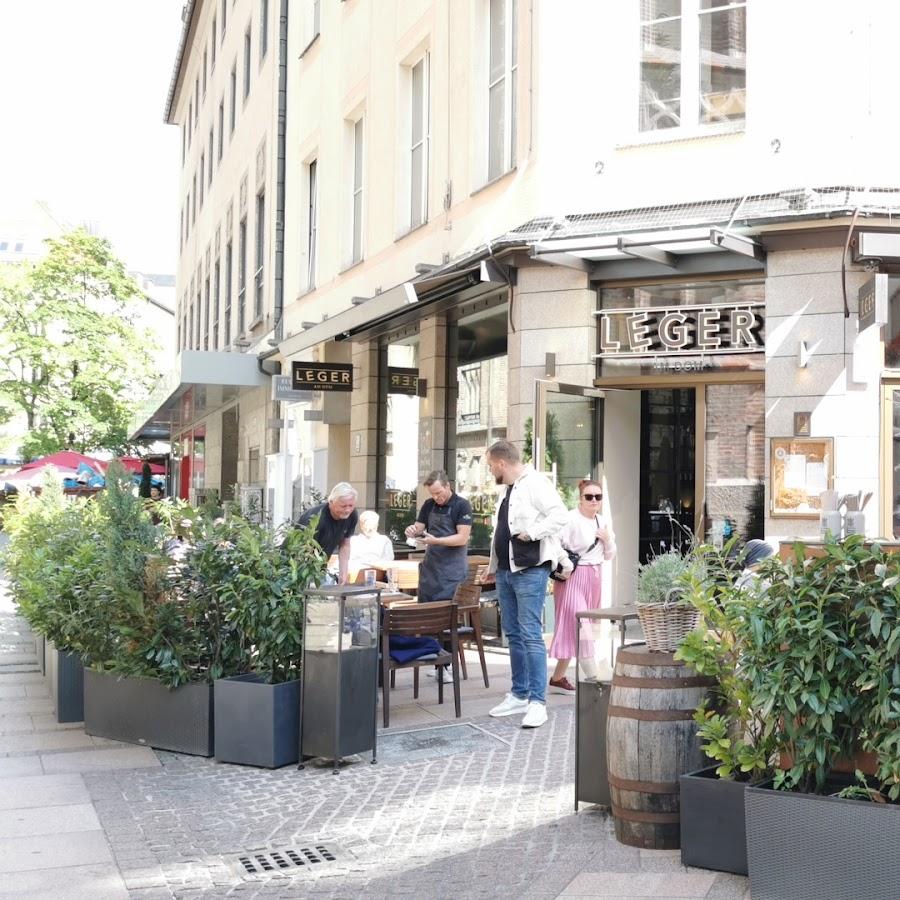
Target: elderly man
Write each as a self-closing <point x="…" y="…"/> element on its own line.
<point x="337" y="522"/>
<point x="525" y="545"/>
<point x="369" y="548"/>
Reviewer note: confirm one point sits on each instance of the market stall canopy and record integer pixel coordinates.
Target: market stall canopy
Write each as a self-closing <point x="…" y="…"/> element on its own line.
<point x="64" y="459"/>
<point x="135" y="465"/>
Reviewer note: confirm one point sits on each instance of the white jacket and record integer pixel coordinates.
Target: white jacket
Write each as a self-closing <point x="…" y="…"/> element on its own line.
<point x="535" y="509"/>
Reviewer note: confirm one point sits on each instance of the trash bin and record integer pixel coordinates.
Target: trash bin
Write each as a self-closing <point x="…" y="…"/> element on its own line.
<point x="591" y="708"/>
<point x="340" y="672"/>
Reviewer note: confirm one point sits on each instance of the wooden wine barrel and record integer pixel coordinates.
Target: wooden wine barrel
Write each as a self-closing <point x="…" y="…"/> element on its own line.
<point x="651" y="740"/>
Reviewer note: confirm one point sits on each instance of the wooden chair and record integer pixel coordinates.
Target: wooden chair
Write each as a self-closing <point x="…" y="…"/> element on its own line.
<point x="435" y="620"/>
<point x="467" y="598"/>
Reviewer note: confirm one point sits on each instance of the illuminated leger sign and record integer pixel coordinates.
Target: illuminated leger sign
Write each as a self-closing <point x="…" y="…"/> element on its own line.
<point x="321" y="376"/>
<point x="675" y="330"/>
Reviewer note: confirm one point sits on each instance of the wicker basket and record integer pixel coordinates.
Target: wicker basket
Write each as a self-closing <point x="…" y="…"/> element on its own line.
<point x="666" y="624"/>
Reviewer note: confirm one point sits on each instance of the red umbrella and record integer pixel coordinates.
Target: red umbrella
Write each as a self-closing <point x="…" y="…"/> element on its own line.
<point x="64" y="459"/>
<point x="136" y="464"/>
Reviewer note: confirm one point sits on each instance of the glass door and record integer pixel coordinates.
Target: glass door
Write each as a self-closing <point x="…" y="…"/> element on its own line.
<point x="566" y="434"/>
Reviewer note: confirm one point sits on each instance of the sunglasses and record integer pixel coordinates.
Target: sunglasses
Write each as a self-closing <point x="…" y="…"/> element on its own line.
<point x="592" y="496"/>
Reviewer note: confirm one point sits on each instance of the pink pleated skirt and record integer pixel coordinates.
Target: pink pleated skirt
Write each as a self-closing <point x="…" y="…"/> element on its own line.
<point x="580" y="591"/>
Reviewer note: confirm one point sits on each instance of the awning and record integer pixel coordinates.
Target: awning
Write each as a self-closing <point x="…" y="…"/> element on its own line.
<point x="201" y="382"/>
<point x="401" y="305"/>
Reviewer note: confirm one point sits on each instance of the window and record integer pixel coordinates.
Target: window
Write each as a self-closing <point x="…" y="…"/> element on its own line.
<point x="263" y="29"/>
<point x="181" y="229"/>
<point x="224" y="18"/>
<point x="202" y="174"/>
<point x="469" y="403"/>
<point x="693" y="63"/>
<point x="190" y="334"/>
<point x="206" y="314"/>
<point x="194" y="199"/>
<point x="247" y="46"/>
<point x="419" y="138"/>
<point x="242" y="276"/>
<point x="209" y="170"/>
<point x="190" y="123"/>
<point x="316" y="18"/>
<point x="233" y="100"/>
<point x="221" y="130"/>
<point x="312" y="223"/>
<point x="502" y="72"/>
<point x="205" y="67"/>
<point x="215" y="313"/>
<point x="196" y="101"/>
<point x="226" y="325"/>
<point x="260" y="256"/>
<point x="183" y="144"/>
<point x="212" y="47"/>
<point x="357" y="200"/>
<point x="199" y="309"/>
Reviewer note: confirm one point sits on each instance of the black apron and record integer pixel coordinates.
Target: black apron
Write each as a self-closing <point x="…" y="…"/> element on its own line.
<point x="443" y="567"/>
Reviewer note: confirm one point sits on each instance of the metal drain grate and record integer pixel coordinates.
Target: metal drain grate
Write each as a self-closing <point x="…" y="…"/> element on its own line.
<point x="272" y="861"/>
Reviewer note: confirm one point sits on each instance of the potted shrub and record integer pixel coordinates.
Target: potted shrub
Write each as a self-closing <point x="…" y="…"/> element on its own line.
<point x="732" y="730"/>
<point x="821" y="659"/>
<point x="160" y="645"/>
<point x="664" y="615"/>
<point x="51" y="557"/>
<point x="260" y="577"/>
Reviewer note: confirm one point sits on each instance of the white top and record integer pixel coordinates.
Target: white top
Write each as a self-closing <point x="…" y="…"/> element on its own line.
<point x="579" y="533"/>
<point x="370" y="550"/>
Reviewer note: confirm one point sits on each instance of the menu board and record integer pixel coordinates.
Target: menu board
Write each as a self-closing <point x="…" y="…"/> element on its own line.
<point x="801" y="468"/>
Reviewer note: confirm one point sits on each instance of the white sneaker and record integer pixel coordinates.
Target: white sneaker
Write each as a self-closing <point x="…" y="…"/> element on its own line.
<point x="535" y="715"/>
<point x="447" y="674"/>
<point x="510" y="706"/>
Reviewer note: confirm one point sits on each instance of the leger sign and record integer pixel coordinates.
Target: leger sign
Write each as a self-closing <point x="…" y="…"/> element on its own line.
<point x="669" y="331"/>
<point x="322" y="376"/>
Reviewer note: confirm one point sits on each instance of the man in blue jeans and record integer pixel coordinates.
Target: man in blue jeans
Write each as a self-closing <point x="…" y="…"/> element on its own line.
<point x="528" y="520"/>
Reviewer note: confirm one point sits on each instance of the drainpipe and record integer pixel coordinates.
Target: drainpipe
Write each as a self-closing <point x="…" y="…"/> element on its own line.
<point x="280" y="145"/>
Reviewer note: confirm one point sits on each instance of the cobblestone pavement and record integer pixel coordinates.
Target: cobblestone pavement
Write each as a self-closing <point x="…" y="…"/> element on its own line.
<point x="495" y="823"/>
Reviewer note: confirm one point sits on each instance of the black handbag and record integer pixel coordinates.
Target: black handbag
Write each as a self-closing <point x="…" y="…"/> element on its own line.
<point x="557" y="573"/>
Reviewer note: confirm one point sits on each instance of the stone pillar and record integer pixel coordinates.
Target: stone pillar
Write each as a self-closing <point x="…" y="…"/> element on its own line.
<point x="364" y="423"/>
<point x="552" y="312"/>
<point x="433" y="406"/>
<point x="840" y="383"/>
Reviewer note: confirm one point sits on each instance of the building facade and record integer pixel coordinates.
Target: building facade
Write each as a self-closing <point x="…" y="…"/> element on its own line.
<point x="630" y="233"/>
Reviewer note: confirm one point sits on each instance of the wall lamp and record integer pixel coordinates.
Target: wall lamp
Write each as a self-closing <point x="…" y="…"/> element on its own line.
<point x="803" y="355"/>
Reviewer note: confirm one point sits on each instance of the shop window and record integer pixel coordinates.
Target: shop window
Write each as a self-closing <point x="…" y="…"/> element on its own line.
<point x="477" y="358"/>
<point x="401" y="443"/>
<point x="693" y="63"/>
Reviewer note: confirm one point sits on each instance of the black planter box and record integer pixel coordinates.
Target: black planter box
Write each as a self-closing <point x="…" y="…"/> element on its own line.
<point x="143" y="711"/>
<point x="65" y="673"/>
<point x="810" y="847"/>
<point x="257" y="724"/>
<point x="713" y="829"/>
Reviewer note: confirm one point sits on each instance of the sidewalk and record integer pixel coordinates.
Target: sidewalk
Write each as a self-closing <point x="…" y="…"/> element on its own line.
<point x="476" y="807"/>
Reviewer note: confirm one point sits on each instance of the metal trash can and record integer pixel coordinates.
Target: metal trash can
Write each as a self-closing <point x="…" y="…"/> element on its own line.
<point x="591" y="709"/>
<point x="340" y="672"/>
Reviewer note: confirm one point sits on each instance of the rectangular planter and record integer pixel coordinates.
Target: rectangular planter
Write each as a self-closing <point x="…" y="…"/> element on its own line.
<point x="809" y="847"/>
<point x="713" y="830"/>
<point x="257" y="724"/>
<point x="143" y="711"/>
<point x="65" y="675"/>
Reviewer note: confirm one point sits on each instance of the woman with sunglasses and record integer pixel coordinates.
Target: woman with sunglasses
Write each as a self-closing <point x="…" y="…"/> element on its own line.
<point x="588" y="534"/>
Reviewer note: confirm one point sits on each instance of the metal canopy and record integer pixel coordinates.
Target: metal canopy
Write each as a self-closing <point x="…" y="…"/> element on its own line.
<point x="200" y="383"/>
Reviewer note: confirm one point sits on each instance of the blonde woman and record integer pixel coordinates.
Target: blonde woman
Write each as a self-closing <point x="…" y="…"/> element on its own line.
<point x="588" y="534"/>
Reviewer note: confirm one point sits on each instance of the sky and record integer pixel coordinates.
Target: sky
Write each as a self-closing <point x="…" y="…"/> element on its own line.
<point x="81" y="119"/>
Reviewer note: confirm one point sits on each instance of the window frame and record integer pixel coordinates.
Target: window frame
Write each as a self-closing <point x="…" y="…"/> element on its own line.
<point x="232" y="120"/>
<point x="259" y="272"/>
<point x="221" y="147"/>
<point x="242" y="277"/>
<point x="418" y="212"/>
<point x="357" y="190"/>
<point x="263" y="30"/>
<point x="229" y="277"/>
<point x="209" y="173"/>
<point x="507" y="79"/>
<point x="312" y="221"/>
<point x="248" y="61"/>
<point x="690" y="95"/>
<point x="216" y="296"/>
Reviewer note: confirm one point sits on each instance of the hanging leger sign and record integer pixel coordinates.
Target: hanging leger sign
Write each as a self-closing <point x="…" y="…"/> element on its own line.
<point x="681" y="330"/>
<point x="873" y="302"/>
<point x="321" y="376"/>
<point x="403" y="381"/>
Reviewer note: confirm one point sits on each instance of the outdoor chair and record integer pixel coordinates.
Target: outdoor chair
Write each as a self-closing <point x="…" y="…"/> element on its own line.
<point x="467" y="598"/>
<point x="435" y="620"/>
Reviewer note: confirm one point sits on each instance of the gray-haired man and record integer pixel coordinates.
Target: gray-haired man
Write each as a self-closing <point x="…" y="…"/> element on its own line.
<point x="337" y="523"/>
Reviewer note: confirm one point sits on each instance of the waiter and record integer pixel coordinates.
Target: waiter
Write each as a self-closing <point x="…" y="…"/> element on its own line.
<point x="444" y="524"/>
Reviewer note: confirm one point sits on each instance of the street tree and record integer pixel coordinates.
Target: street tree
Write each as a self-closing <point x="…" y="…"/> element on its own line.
<point x="73" y="358"/>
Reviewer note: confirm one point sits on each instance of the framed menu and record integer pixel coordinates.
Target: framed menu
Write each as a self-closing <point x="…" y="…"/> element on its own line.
<point x="800" y="468"/>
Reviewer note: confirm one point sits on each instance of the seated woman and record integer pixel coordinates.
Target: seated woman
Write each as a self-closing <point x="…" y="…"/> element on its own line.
<point x="369" y="548"/>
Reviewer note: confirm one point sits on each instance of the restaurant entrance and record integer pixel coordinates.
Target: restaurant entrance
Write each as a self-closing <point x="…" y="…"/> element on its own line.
<point x="682" y="461"/>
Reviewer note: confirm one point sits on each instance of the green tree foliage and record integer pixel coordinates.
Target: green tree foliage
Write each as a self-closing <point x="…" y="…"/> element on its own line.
<point x="73" y="360"/>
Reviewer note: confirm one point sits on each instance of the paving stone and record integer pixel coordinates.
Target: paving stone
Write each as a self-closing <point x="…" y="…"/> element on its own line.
<point x="72" y="883"/>
<point x="42" y="790"/>
<point x="44" y="741"/>
<point x="49" y="820"/>
<point x="56" y="851"/>
<point x="99" y="759"/>
<point x="17" y="766"/>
